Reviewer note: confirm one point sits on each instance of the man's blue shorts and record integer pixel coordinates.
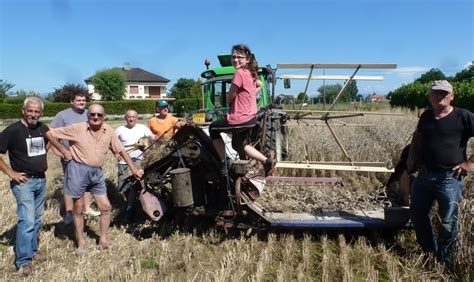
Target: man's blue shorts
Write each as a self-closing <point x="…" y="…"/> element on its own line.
<point x="80" y="178"/>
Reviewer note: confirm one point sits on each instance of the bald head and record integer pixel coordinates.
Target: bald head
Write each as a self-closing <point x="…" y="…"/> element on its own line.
<point x="131" y="113"/>
<point x="96" y="116"/>
<point x="96" y="108"/>
<point x="131" y="118"/>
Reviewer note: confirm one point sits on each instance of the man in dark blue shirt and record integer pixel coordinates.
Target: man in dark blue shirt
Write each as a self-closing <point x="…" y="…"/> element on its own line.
<point x="440" y="140"/>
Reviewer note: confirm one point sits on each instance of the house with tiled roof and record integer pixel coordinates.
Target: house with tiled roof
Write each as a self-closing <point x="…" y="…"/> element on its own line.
<point x="141" y="84"/>
<point x="377" y="98"/>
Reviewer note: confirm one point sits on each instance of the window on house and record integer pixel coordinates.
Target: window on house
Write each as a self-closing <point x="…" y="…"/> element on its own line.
<point x="133" y="89"/>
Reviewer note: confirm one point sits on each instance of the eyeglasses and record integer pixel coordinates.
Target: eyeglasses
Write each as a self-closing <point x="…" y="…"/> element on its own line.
<point x="238" y="57"/>
<point x="96" y="114"/>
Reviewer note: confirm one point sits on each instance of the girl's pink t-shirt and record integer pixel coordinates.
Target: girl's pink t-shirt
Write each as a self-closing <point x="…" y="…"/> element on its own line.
<point x="244" y="106"/>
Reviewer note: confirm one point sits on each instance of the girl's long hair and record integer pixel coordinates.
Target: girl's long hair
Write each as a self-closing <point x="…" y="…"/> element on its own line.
<point x="252" y="65"/>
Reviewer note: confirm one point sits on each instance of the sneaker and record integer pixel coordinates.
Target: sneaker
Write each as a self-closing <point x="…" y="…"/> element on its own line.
<point x="26" y="270"/>
<point x="68" y="218"/>
<point x="91" y="212"/>
<point x="269" y="166"/>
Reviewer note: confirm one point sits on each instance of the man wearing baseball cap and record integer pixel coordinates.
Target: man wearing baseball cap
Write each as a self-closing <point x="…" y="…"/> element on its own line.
<point x="440" y="141"/>
<point x="163" y="123"/>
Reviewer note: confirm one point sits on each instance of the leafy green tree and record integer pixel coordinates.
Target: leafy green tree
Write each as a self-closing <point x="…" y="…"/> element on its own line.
<point x="186" y="88"/>
<point x="414" y="95"/>
<point x="196" y="90"/>
<point x="465" y="74"/>
<point x="429" y="76"/>
<point x="302" y="97"/>
<point x="351" y="91"/>
<point x="5" y="86"/>
<point x="331" y="92"/>
<point x="464" y="97"/>
<point x="67" y="91"/>
<point x="110" y="83"/>
<point x="411" y="95"/>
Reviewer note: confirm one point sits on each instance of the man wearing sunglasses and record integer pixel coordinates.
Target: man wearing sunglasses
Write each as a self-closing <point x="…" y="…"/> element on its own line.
<point x="89" y="143"/>
<point x="75" y="114"/>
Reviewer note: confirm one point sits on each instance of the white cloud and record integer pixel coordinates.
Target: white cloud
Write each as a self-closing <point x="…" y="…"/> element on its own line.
<point x="410" y="70"/>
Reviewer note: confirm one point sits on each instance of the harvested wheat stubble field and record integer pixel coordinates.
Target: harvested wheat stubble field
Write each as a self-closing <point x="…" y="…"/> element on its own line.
<point x="146" y="251"/>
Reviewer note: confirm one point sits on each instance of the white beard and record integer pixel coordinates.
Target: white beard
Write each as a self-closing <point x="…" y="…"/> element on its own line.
<point x="31" y="121"/>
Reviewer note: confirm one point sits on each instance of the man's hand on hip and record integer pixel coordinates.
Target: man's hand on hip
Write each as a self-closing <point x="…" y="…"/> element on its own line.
<point x="463" y="168"/>
<point x="19" y="177"/>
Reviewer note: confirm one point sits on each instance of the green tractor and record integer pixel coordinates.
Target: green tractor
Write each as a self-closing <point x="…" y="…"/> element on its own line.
<point x="270" y="135"/>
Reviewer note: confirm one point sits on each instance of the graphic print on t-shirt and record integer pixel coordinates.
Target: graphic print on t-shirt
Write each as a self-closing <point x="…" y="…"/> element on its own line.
<point x="35" y="146"/>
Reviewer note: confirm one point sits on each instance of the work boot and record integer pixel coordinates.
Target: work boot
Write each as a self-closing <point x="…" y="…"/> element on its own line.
<point x="269" y="166"/>
<point x="26" y="270"/>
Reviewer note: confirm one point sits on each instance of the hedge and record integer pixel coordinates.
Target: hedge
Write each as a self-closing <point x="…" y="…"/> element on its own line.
<point x="414" y="95"/>
<point x="11" y="111"/>
<point x="184" y="106"/>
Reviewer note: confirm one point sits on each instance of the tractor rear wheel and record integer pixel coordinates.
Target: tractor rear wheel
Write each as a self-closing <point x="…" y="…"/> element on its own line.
<point x="276" y="139"/>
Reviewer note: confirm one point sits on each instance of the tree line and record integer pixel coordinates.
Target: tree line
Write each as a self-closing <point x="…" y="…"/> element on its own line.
<point x="413" y="95"/>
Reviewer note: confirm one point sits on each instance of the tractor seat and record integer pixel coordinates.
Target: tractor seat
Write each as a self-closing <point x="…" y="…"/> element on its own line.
<point x="234" y="129"/>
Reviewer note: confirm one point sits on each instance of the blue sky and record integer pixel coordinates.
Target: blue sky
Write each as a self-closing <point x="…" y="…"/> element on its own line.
<point x="47" y="43"/>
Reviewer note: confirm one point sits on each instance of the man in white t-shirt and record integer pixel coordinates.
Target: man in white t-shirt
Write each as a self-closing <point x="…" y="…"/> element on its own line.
<point x="129" y="134"/>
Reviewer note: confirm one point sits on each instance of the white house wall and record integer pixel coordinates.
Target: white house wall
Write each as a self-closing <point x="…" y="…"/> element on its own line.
<point x="142" y="94"/>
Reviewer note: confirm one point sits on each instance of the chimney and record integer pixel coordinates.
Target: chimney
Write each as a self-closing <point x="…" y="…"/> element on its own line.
<point x="126" y="66"/>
